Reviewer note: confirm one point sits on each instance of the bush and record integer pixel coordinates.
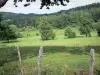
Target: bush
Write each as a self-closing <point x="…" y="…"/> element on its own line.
<point x="53" y="35"/>
<point x="46" y="32"/>
<point x="72" y="35"/>
<point x="20" y="35"/>
<point x="97" y="27"/>
<point x="8" y="32"/>
<point x="8" y="56"/>
<point x="37" y="34"/>
<point x="10" y="69"/>
<point x="68" y="32"/>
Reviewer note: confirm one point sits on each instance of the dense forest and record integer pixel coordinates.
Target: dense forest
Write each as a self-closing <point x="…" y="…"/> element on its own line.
<point x="60" y="19"/>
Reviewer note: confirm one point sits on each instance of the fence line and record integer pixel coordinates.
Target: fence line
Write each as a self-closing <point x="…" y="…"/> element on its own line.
<point x="20" y="60"/>
<point x="92" y="59"/>
<point x="39" y="60"/>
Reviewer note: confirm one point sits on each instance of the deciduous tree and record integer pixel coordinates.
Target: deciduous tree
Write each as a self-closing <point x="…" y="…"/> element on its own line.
<point x="7" y="32"/>
<point x="46" y="30"/>
<point x="69" y="33"/>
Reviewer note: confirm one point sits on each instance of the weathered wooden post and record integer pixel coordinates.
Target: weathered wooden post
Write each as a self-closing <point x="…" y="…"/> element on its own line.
<point x="39" y="60"/>
<point x="92" y="59"/>
<point x="20" y="60"/>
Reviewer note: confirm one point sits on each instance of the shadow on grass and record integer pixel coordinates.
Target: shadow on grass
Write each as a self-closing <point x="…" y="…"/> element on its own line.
<point x="32" y="51"/>
<point x="80" y="36"/>
<point x="75" y="37"/>
<point x="9" y="54"/>
<point x="10" y="41"/>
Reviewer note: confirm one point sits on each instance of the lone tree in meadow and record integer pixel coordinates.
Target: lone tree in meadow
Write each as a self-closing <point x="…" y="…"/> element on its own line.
<point x="46" y="31"/>
<point x="7" y="32"/>
<point x="46" y="3"/>
<point x="69" y="33"/>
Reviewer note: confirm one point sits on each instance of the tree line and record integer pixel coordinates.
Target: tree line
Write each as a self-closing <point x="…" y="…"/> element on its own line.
<point x="85" y="20"/>
<point x="58" y="20"/>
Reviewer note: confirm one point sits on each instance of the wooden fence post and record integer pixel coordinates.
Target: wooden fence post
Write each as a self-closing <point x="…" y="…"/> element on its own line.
<point x="92" y="59"/>
<point x="39" y="60"/>
<point x="19" y="55"/>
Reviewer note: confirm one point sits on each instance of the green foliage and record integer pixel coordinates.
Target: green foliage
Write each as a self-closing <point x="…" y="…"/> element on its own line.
<point x="8" y="61"/>
<point x="8" y="56"/>
<point x="85" y="30"/>
<point x="10" y="69"/>
<point x="53" y="35"/>
<point x="37" y="34"/>
<point x="57" y="55"/>
<point x="8" y="22"/>
<point x="8" y="32"/>
<point x="68" y="32"/>
<point x="95" y="13"/>
<point x="86" y="24"/>
<point x="0" y="18"/>
<point x="96" y="26"/>
<point x="98" y="29"/>
<point x="46" y="31"/>
<point x="13" y="28"/>
<point x="58" y="20"/>
<point x="20" y="35"/>
<point x="57" y="60"/>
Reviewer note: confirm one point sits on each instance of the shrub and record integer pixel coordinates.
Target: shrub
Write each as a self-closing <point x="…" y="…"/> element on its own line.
<point x="85" y="30"/>
<point x="10" y="69"/>
<point x="8" y="32"/>
<point x="20" y="35"/>
<point x="72" y="35"/>
<point x="37" y="34"/>
<point x="53" y="35"/>
<point x="68" y="32"/>
<point x="8" y="56"/>
<point x="46" y="32"/>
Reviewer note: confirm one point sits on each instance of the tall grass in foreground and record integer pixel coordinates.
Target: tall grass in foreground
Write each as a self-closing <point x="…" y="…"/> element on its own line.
<point x="57" y="60"/>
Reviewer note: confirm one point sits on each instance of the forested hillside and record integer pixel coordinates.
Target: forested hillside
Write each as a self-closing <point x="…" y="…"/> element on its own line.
<point x="58" y="20"/>
<point x="66" y="38"/>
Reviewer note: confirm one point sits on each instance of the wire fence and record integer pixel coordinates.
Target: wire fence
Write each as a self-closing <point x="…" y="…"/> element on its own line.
<point x="11" y="63"/>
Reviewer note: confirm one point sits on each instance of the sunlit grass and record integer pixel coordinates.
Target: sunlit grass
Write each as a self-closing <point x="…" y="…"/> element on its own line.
<point x="61" y="56"/>
<point x="60" y="40"/>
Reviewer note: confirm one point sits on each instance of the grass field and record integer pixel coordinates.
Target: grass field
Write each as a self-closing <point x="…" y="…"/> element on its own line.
<point x="60" y="40"/>
<point x="61" y="56"/>
<point x="57" y="60"/>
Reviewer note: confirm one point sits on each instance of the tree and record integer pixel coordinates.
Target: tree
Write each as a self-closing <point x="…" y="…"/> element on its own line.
<point x="85" y="29"/>
<point x="7" y="32"/>
<point x="46" y="31"/>
<point x="97" y="27"/>
<point x="85" y="24"/>
<point x="46" y="3"/>
<point x="96" y="13"/>
<point x="69" y="33"/>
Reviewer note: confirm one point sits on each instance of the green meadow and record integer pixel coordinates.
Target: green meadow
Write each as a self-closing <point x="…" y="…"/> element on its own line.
<point x="65" y="51"/>
<point x="60" y="40"/>
<point x="61" y="56"/>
